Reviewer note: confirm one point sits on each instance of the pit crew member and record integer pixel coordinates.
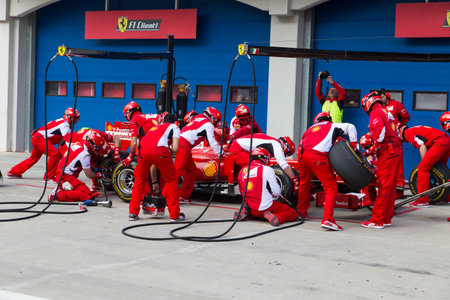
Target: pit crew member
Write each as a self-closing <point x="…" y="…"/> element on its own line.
<point x="386" y="148"/>
<point x="402" y="116"/>
<point x="56" y="130"/>
<point x="241" y="123"/>
<point x="154" y="150"/>
<point x="199" y="129"/>
<point x="445" y="121"/>
<point x="79" y="159"/>
<point x="140" y="124"/>
<point x="334" y="103"/>
<point x="434" y="146"/>
<point x="262" y="190"/>
<point x="313" y="158"/>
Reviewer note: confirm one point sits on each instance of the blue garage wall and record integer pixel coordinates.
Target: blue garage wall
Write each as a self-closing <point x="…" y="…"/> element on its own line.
<point x="370" y="26"/>
<point x="221" y="26"/>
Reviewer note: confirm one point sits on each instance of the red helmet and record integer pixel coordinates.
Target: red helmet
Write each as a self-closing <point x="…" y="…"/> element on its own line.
<point x="189" y="117"/>
<point x="445" y="121"/>
<point x="130" y="108"/>
<point x="368" y="101"/>
<point x="242" y="110"/>
<point x="212" y="114"/>
<point x="261" y="154"/>
<point x="287" y="144"/>
<point x="71" y="115"/>
<point x="322" y="116"/>
<point x="401" y="131"/>
<point x="366" y="141"/>
<point x="98" y="144"/>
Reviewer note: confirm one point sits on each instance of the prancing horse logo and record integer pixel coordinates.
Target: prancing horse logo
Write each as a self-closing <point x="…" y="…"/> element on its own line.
<point x="122" y="22"/>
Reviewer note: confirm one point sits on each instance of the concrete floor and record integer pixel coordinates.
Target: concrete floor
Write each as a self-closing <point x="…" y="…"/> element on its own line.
<point x="85" y="256"/>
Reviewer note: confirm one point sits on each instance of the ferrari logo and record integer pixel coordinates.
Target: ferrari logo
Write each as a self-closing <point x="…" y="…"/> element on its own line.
<point x="122" y="22"/>
<point x="61" y="50"/>
<point x="447" y="20"/>
<point x="317" y="128"/>
<point x="241" y="49"/>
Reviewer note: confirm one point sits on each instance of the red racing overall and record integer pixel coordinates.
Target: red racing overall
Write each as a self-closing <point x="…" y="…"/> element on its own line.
<point x="191" y="135"/>
<point x="262" y="189"/>
<point x="313" y="158"/>
<point x="387" y="149"/>
<point x="56" y="130"/>
<point x="79" y="159"/>
<point x="437" y="143"/>
<point x="154" y="150"/>
<point x="237" y="130"/>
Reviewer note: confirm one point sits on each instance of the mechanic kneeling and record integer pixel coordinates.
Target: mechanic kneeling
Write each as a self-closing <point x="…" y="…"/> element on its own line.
<point x="72" y="189"/>
<point x="313" y="158"/>
<point x="262" y="190"/>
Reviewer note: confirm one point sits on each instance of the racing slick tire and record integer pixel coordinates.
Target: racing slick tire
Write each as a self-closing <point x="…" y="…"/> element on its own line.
<point x="439" y="174"/>
<point x="351" y="166"/>
<point x="107" y="165"/>
<point x="287" y="188"/>
<point x="123" y="181"/>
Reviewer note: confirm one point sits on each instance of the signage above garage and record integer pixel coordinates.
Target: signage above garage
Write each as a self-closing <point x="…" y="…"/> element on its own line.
<point x="414" y="20"/>
<point x="141" y="24"/>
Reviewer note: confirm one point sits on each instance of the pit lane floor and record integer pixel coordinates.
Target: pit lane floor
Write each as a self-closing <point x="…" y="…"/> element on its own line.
<point x="85" y="256"/>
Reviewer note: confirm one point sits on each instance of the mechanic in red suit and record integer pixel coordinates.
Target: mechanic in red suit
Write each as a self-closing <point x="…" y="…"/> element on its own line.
<point x="386" y="148"/>
<point x="140" y="124"/>
<point x="79" y="159"/>
<point x="241" y="124"/>
<point x="80" y="136"/>
<point x="313" y="158"/>
<point x="334" y="104"/>
<point x="200" y="128"/>
<point x="56" y="130"/>
<point x="154" y="150"/>
<point x="284" y="146"/>
<point x="401" y="116"/>
<point x="434" y="146"/>
<point x="262" y="190"/>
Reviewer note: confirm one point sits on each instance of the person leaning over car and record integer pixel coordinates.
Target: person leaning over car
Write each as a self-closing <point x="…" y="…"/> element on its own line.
<point x="334" y="103"/>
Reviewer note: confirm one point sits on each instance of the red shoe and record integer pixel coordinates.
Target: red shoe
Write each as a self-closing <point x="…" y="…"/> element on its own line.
<point x="54" y="196"/>
<point x="448" y="219"/>
<point x="185" y="201"/>
<point x="12" y="176"/>
<point x="273" y="220"/>
<point x="370" y="224"/>
<point x="331" y="224"/>
<point x="419" y="204"/>
<point x="243" y="215"/>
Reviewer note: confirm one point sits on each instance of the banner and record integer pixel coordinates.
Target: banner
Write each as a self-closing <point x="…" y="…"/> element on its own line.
<point x="413" y="20"/>
<point x="141" y="24"/>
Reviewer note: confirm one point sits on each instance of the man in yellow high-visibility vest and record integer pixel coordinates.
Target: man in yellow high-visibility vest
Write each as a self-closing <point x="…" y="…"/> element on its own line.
<point x="334" y="103"/>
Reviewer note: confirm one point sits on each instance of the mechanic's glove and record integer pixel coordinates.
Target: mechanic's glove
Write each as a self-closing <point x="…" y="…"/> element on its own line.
<point x="116" y="155"/>
<point x="369" y="152"/>
<point x="354" y="145"/>
<point x="127" y="161"/>
<point x="98" y="175"/>
<point x="296" y="183"/>
<point x="96" y="169"/>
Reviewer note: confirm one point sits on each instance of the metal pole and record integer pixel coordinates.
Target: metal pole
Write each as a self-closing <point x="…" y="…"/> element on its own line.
<point x="169" y="82"/>
<point x="106" y="5"/>
<point x="176" y="4"/>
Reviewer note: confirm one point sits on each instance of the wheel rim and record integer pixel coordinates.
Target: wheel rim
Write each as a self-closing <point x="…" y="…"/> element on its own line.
<point x="126" y="181"/>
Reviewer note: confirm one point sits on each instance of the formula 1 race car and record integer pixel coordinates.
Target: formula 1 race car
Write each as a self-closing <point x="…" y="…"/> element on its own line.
<point x="121" y="179"/>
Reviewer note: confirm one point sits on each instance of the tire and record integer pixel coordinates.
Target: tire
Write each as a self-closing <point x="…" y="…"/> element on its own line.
<point x="123" y="181"/>
<point x="351" y="166"/>
<point x="439" y="174"/>
<point x="287" y="187"/>
<point x="108" y="167"/>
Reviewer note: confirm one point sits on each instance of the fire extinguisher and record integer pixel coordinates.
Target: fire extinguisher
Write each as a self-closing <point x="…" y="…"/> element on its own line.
<point x="161" y="100"/>
<point x="182" y="99"/>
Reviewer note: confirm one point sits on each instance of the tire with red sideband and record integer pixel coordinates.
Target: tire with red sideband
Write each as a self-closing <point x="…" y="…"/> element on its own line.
<point x="351" y="165"/>
<point x="439" y="174"/>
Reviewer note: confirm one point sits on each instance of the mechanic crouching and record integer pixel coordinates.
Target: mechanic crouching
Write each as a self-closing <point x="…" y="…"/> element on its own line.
<point x="261" y="191"/>
<point x="78" y="159"/>
<point x="313" y="158"/>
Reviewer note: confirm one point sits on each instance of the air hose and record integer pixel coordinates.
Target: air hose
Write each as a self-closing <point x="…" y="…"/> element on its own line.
<point x="30" y="204"/>
<point x="216" y="238"/>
